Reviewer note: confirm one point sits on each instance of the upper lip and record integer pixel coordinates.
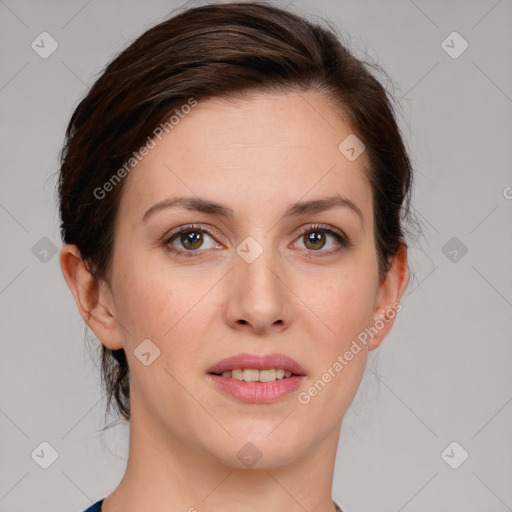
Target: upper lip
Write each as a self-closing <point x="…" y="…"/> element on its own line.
<point x="258" y="362"/>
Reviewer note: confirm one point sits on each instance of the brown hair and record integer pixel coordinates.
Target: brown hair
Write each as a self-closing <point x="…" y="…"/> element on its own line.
<point x="212" y="51"/>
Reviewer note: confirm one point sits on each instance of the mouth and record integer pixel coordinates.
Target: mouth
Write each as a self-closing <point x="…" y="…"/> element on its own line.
<point x="254" y="368"/>
<point x="255" y="375"/>
<point x="255" y="378"/>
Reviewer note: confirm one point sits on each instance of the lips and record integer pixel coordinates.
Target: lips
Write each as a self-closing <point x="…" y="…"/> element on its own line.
<point x="257" y="362"/>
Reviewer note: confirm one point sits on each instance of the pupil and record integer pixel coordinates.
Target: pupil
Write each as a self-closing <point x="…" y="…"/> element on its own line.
<point x="193" y="238"/>
<point x="316" y="238"/>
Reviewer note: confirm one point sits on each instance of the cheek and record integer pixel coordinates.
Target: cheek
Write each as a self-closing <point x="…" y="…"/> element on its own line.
<point x="173" y="309"/>
<point x="166" y="308"/>
<point x="346" y="309"/>
<point x="150" y="302"/>
<point x="344" y="303"/>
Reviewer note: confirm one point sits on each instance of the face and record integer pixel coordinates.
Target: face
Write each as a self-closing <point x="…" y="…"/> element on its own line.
<point x="267" y="271"/>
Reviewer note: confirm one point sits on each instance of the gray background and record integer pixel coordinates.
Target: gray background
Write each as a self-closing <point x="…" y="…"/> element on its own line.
<point x="442" y="375"/>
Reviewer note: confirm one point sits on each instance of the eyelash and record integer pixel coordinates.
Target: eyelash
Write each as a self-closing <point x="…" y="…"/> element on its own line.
<point x="343" y="241"/>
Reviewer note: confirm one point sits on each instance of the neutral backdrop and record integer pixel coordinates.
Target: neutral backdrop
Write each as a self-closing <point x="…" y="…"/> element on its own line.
<point x="439" y="388"/>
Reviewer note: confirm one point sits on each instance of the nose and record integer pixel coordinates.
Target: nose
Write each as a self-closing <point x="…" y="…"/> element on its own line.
<point x="257" y="297"/>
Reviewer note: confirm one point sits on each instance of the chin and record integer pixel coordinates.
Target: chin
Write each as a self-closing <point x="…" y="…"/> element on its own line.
<point x="256" y="449"/>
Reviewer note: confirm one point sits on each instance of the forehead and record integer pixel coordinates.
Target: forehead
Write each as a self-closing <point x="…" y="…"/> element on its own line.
<point x="265" y="148"/>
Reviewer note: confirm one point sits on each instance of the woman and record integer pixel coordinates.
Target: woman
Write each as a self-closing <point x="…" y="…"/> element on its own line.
<point x="232" y="193"/>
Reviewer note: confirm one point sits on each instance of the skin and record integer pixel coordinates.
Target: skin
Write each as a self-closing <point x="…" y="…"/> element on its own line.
<point x="257" y="155"/>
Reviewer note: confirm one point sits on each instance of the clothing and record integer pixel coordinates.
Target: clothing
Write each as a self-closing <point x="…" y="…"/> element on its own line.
<point x="97" y="507"/>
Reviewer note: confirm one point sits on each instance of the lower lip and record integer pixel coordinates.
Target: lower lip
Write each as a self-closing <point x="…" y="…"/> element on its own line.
<point x="257" y="392"/>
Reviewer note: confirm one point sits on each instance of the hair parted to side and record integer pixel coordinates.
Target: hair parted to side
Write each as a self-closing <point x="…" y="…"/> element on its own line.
<point x="217" y="50"/>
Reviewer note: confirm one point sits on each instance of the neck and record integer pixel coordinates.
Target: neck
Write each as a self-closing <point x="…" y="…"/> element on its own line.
<point x="164" y="473"/>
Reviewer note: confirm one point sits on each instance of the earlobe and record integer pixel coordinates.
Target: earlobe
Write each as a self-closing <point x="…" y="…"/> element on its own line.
<point x="390" y="292"/>
<point x="93" y="298"/>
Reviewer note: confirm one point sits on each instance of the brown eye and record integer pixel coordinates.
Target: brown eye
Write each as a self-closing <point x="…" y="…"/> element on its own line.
<point x="314" y="240"/>
<point x="191" y="240"/>
<point x="323" y="239"/>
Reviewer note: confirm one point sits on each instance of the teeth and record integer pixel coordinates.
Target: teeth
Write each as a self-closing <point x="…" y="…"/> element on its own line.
<point x="253" y="375"/>
<point x="237" y="374"/>
<point x="267" y="375"/>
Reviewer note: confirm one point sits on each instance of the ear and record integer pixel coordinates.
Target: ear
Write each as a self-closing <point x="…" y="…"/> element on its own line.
<point x="93" y="298"/>
<point x="391" y="288"/>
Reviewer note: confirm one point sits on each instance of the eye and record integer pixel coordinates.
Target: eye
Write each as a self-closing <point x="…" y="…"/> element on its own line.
<point x="317" y="237"/>
<point x="190" y="238"/>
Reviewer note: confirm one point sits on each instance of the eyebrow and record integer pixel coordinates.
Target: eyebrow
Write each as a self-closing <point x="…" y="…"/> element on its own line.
<point x="199" y="204"/>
